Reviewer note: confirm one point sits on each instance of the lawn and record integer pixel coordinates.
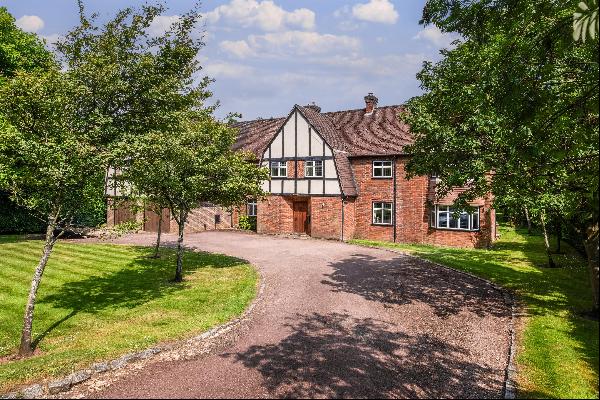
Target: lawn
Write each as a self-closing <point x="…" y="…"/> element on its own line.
<point x="557" y="355"/>
<point x="98" y="301"/>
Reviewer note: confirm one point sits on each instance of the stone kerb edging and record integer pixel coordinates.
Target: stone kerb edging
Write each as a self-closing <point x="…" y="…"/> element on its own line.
<point x="172" y="351"/>
<point x="509" y="390"/>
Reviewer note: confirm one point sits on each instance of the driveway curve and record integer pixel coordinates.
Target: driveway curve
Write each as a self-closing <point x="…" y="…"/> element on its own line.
<point x="338" y="320"/>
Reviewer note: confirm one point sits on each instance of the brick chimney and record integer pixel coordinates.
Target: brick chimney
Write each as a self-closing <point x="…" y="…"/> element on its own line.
<point x="313" y="107"/>
<point x="370" y="103"/>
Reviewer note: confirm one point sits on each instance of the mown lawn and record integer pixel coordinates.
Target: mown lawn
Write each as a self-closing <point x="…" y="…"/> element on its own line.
<point x="98" y="301"/>
<point x="557" y="354"/>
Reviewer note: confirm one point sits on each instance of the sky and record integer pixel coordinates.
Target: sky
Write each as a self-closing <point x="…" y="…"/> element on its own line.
<point x="267" y="55"/>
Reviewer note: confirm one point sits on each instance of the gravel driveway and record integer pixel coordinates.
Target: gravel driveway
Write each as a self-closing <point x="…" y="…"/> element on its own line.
<point x="338" y="320"/>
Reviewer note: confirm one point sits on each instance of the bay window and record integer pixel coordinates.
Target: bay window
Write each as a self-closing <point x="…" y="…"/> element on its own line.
<point x="444" y="217"/>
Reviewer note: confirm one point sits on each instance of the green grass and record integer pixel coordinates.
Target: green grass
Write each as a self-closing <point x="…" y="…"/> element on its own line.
<point x="98" y="301"/>
<point x="557" y="355"/>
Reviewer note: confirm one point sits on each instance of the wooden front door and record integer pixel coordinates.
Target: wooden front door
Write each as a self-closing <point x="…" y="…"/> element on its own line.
<point x="151" y="221"/>
<point x="300" y="217"/>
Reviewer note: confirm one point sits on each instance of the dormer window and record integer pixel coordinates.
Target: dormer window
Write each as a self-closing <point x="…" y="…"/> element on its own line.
<point x="382" y="169"/>
<point x="278" y="169"/>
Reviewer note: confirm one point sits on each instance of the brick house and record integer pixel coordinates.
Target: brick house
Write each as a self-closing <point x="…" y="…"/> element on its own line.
<point x="340" y="175"/>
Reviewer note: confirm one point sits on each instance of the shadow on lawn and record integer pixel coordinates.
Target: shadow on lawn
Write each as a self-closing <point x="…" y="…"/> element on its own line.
<point x="142" y="280"/>
<point x="338" y="356"/>
<point x="403" y="280"/>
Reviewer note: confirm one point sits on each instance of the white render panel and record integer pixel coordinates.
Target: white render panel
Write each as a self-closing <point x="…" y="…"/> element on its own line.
<point x="303" y="137"/>
<point x="302" y="186"/>
<point x="265" y="186"/>
<point x="288" y="186"/>
<point x="316" y="144"/>
<point x="328" y="151"/>
<point x="316" y="187"/>
<point x="275" y="148"/>
<point x="289" y="145"/>
<point x="276" y="186"/>
<point x="332" y="187"/>
<point x="330" y="171"/>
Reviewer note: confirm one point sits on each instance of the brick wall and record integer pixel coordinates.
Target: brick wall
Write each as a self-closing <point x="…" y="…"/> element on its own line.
<point x="412" y="212"/>
<point x="203" y="218"/>
<point x="326" y="217"/>
<point x="370" y="190"/>
<point x="275" y="214"/>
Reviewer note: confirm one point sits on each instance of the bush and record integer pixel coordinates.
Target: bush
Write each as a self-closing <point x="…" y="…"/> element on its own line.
<point x="247" y="223"/>
<point x="15" y="219"/>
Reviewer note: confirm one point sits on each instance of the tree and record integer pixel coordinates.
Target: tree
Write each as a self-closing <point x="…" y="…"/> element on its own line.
<point x="20" y="51"/>
<point x="189" y="165"/>
<point x="46" y="159"/>
<point x="513" y="108"/>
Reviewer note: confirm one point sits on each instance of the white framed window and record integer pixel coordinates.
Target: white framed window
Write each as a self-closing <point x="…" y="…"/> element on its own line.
<point x="444" y="217"/>
<point x="382" y="213"/>
<point x="251" y="208"/>
<point x="382" y="169"/>
<point x="313" y="169"/>
<point x="279" y="169"/>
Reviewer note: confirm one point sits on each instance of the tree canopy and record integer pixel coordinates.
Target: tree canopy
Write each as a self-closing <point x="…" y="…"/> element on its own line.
<point x="19" y="50"/>
<point x="512" y="108"/>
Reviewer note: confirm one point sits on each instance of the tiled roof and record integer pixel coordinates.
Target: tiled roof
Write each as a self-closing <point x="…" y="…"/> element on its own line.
<point x="350" y="133"/>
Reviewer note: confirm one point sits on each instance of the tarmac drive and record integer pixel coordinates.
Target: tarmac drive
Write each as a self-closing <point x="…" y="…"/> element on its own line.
<point x="338" y="320"/>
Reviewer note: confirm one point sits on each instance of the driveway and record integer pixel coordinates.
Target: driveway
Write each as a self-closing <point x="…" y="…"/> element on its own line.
<point x="338" y="320"/>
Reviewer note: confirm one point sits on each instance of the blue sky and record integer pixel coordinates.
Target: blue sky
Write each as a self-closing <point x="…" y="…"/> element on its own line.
<point x="267" y="55"/>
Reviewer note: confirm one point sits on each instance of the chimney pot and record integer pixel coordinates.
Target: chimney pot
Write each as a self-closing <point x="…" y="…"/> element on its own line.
<point x="313" y="107"/>
<point x="370" y="103"/>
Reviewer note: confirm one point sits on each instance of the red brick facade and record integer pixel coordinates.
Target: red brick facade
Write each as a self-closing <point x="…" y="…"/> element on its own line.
<point x="412" y="199"/>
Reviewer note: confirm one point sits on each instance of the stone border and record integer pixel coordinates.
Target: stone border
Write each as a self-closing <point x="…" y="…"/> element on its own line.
<point x="509" y="389"/>
<point x="45" y="389"/>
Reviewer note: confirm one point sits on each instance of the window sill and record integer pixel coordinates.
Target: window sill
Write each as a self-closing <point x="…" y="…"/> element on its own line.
<point x="374" y="224"/>
<point x="453" y="229"/>
<point x="382" y="177"/>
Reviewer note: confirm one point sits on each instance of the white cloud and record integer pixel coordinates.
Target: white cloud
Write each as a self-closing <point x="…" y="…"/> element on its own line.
<point x="221" y="69"/>
<point x="434" y="35"/>
<point x="380" y="11"/>
<point x="266" y="15"/>
<point x="161" y="23"/>
<point x="385" y="65"/>
<point x="237" y="48"/>
<point x="30" y="23"/>
<point x="291" y="43"/>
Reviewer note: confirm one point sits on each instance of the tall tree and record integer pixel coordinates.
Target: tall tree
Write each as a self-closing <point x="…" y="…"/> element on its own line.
<point x="513" y="108"/>
<point x="19" y="50"/>
<point x="46" y="159"/>
<point x="189" y="165"/>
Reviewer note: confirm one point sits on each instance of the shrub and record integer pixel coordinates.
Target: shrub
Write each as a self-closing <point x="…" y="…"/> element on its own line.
<point x="247" y="223"/>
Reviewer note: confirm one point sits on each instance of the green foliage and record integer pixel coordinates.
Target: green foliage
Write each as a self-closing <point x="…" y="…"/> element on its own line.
<point x="101" y="301"/>
<point x="15" y="219"/>
<point x="20" y="51"/>
<point x="46" y="158"/>
<point x="585" y="21"/>
<point x="557" y="349"/>
<point x="247" y="223"/>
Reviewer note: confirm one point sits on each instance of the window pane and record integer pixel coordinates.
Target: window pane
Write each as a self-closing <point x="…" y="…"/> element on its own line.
<point x="377" y="171"/>
<point x="442" y="219"/>
<point x="318" y="168"/>
<point x="475" y="224"/>
<point x="464" y="221"/>
<point x="453" y="221"/>
<point x="387" y="216"/>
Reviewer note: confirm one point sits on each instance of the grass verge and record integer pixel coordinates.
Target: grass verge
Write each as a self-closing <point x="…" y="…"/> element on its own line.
<point x="557" y="355"/>
<point x="98" y="301"/>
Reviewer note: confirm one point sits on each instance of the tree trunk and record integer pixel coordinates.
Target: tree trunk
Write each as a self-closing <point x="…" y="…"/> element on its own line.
<point x="546" y="242"/>
<point x="25" y="348"/>
<point x="157" y="247"/>
<point x="591" y="248"/>
<point x="528" y="221"/>
<point x="558" y="235"/>
<point x="178" y="271"/>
